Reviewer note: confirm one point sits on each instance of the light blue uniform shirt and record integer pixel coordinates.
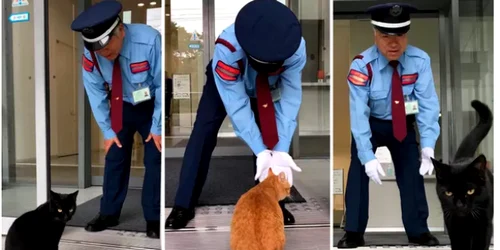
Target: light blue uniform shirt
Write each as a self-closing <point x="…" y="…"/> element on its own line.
<point x="375" y="99"/>
<point x="236" y="93"/>
<point x="141" y="43"/>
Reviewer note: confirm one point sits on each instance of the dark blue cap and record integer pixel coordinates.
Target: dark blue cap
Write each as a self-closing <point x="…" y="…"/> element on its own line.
<point x="97" y="23"/>
<point x="268" y="31"/>
<point x="392" y="18"/>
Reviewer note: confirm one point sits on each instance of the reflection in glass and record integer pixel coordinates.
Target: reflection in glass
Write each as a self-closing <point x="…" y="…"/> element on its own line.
<point x="476" y="67"/>
<point x="184" y="60"/>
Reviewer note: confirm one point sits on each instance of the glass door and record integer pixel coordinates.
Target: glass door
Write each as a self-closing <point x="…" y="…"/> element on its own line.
<point x="25" y="179"/>
<point x="186" y="44"/>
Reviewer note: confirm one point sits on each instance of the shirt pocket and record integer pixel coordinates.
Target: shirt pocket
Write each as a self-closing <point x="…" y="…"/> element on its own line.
<point x="140" y="79"/>
<point x="408" y="89"/>
<point x="378" y="101"/>
<point x="378" y="94"/>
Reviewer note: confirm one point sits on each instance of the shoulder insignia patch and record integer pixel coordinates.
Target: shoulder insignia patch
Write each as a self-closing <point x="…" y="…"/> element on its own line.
<point x="139" y="67"/>
<point x="226" y="72"/>
<point x="409" y="79"/>
<point x="357" y="78"/>
<point x="226" y="44"/>
<point x="87" y="64"/>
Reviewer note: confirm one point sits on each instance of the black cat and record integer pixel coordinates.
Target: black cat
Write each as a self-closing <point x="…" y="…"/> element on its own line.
<point x="43" y="227"/>
<point x="465" y="189"/>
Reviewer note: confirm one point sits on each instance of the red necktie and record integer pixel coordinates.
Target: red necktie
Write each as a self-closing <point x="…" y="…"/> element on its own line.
<point x="398" y="105"/>
<point x="267" y="117"/>
<point x="117" y="97"/>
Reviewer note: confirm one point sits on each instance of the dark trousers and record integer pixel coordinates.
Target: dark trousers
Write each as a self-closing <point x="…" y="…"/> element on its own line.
<point x="405" y="156"/>
<point x="117" y="164"/>
<point x="210" y="115"/>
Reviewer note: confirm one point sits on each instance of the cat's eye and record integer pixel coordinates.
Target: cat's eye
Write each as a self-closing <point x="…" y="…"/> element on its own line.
<point x="470" y="191"/>
<point x="448" y="193"/>
<point x="59" y="210"/>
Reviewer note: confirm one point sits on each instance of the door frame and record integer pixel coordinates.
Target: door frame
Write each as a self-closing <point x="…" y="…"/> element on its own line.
<point x="42" y="104"/>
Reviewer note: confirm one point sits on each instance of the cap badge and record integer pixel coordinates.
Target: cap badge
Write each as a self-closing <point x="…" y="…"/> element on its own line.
<point x="396" y="10"/>
<point x="88" y="30"/>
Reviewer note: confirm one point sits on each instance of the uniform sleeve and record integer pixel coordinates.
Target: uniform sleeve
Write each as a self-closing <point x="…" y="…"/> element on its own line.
<point x="236" y="101"/>
<point x="94" y="86"/>
<point x="157" y="80"/>
<point x="428" y="105"/>
<point x="288" y="106"/>
<point x="357" y="80"/>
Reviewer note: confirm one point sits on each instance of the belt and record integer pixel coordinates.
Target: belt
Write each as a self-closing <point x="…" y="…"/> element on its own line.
<point x="410" y="119"/>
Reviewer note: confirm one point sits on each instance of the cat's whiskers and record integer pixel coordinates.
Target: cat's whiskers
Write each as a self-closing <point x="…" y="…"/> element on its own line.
<point x="475" y="214"/>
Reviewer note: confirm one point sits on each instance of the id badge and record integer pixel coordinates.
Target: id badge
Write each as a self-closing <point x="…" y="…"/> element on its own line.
<point x="141" y="95"/>
<point x="275" y="93"/>
<point x="411" y="107"/>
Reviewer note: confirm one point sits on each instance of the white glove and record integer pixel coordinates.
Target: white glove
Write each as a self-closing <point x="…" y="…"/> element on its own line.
<point x="285" y="160"/>
<point x="281" y="161"/>
<point x="373" y="169"/>
<point x="427" y="167"/>
<point x="264" y="159"/>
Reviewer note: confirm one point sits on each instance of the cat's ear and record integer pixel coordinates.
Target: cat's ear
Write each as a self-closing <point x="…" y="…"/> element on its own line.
<point x="74" y="195"/>
<point x="480" y="162"/>
<point x="54" y="195"/>
<point x="440" y="168"/>
<point x="282" y="177"/>
<point x="270" y="172"/>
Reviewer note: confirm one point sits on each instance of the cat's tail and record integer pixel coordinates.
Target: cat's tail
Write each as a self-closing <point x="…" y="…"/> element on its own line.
<point x="471" y="142"/>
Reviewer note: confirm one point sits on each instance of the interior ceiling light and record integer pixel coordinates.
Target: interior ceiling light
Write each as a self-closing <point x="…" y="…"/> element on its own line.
<point x="140" y="4"/>
<point x="152" y="3"/>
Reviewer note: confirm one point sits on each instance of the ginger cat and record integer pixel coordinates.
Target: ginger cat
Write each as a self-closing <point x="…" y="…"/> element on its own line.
<point x="257" y="222"/>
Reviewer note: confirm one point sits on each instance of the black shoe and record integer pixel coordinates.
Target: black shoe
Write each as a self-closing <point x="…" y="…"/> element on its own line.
<point x="153" y="229"/>
<point x="351" y="240"/>
<point x="101" y="222"/>
<point x="425" y="239"/>
<point x="287" y="216"/>
<point x="179" y="218"/>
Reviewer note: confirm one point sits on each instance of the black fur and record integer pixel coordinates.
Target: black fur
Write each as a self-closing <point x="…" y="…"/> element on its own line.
<point x="42" y="228"/>
<point x="465" y="189"/>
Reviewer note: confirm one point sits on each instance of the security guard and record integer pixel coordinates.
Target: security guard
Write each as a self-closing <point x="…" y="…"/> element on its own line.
<point x="122" y="78"/>
<point x="391" y="87"/>
<point x="254" y="78"/>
